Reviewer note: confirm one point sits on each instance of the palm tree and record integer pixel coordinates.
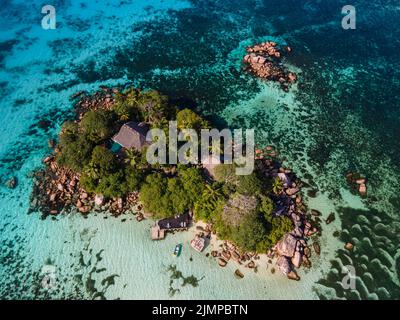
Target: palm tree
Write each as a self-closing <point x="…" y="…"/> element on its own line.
<point x="212" y="194"/>
<point x="92" y="171"/>
<point x="132" y="157"/>
<point x="277" y="185"/>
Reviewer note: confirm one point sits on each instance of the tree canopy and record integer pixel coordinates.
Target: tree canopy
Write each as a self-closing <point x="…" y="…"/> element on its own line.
<point x="75" y="152"/>
<point x="97" y="125"/>
<point x="165" y="197"/>
<point x="187" y="119"/>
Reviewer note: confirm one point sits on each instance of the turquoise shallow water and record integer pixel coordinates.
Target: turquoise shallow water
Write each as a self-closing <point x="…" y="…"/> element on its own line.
<point x="343" y="115"/>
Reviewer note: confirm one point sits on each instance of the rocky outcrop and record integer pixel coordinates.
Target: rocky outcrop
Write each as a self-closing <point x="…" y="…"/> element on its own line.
<point x="349" y="246"/>
<point x="287" y="246"/>
<point x="292" y="250"/>
<point x="226" y="255"/>
<point x="296" y="259"/>
<point x="57" y="189"/>
<point x="284" y="265"/>
<point x="264" y="60"/>
<point x="11" y="183"/>
<point x="330" y="218"/>
<point x="102" y="99"/>
<point x="317" y="248"/>
<point x="222" y="262"/>
<point x="99" y="200"/>
<point x="357" y="183"/>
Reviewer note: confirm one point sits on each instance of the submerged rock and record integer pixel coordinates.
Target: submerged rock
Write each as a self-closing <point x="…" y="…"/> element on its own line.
<point x="238" y="274"/>
<point x="85" y="209"/>
<point x="11" y="183"/>
<point x="307" y="252"/>
<point x="222" y="262"/>
<point x="317" y="248"/>
<point x="349" y="246"/>
<point x="292" y="275"/>
<point x="315" y="213"/>
<point x="330" y="218"/>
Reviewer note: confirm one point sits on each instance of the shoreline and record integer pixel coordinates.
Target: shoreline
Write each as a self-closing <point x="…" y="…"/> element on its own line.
<point x="215" y="244"/>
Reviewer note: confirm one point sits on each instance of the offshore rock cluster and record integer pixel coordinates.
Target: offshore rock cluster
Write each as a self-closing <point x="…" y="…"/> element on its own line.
<point x="264" y="60"/>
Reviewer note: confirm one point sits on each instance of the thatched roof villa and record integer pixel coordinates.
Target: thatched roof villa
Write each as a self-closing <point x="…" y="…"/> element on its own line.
<point x="132" y="135"/>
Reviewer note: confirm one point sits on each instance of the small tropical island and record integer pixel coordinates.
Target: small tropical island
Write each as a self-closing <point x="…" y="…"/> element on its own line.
<point x="99" y="164"/>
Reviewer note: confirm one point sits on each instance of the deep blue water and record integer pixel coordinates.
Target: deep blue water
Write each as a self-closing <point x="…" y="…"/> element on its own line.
<point x="344" y="116"/>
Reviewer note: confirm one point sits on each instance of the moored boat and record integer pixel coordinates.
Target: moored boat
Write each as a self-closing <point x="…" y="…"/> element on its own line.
<point x="178" y="250"/>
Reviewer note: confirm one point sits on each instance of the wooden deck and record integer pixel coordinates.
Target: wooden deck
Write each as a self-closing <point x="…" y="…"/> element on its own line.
<point x="175" y="223"/>
<point x="179" y="222"/>
<point x="157" y="233"/>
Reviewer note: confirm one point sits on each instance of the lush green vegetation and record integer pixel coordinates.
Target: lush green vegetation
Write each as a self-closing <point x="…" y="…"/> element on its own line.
<point x="76" y="148"/>
<point x="168" y="196"/>
<point x="239" y="207"/>
<point x="210" y="203"/>
<point x="165" y="190"/>
<point x="97" y="125"/>
<point x="242" y="211"/>
<point x="186" y="118"/>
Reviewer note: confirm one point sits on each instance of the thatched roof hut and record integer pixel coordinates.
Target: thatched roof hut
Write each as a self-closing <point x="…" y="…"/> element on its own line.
<point x="132" y="135"/>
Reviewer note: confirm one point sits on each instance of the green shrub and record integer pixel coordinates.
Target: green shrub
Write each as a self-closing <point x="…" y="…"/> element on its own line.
<point x="279" y="227"/>
<point x="192" y="182"/>
<point x="88" y="182"/>
<point x="187" y="119"/>
<point x="249" y="184"/>
<point x="249" y="234"/>
<point x="152" y="195"/>
<point x="277" y="185"/>
<point x="154" y="106"/>
<point x="266" y="207"/>
<point x="69" y="133"/>
<point x="165" y="196"/>
<point x="176" y="196"/>
<point x="103" y="162"/>
<point x="112" y="185"/>
<point x="126" y="105"/>
<point x="225" y="173"/>
<point x="97" y="125"/>
<point x="210" y="203"/>
<point x="134" y="178"/>
<point x="75" y="152"/>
